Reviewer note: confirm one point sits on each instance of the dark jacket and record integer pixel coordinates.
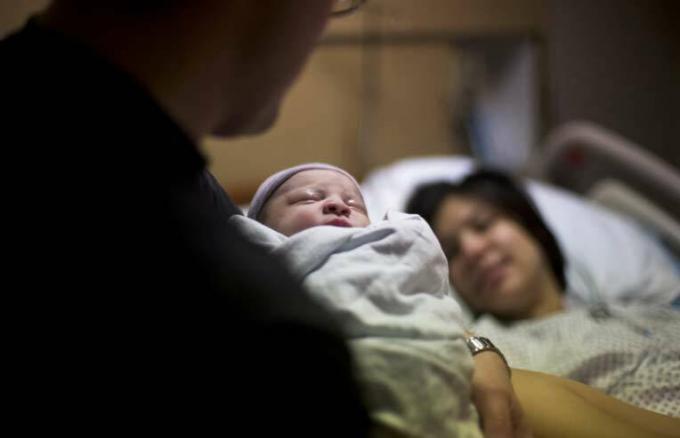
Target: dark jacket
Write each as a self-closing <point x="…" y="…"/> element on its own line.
<point x="132" y="305"/>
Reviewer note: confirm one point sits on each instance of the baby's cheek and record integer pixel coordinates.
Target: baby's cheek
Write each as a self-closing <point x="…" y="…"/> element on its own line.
<point x="361" y="220"/>
<point x="304" y="218"/>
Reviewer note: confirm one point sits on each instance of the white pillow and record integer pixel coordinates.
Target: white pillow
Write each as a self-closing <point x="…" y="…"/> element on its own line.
<point x="609" y="257"/>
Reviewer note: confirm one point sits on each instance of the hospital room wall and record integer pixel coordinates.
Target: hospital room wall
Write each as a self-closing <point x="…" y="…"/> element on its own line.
<point x="617" y="63"/>
<point x="13" y="13"/>
<point x="336" y="115"/>
<point x="340" y="112"/>
<point x="364" y="104"/>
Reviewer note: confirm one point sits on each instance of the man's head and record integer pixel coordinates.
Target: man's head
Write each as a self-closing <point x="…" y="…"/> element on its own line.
<point x="217" y="66"/>
<point x="270" y="55"/>
<point x="309" y="195"/>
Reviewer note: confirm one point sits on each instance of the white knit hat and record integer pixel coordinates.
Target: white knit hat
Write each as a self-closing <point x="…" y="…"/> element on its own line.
<point x="269" y="186"/>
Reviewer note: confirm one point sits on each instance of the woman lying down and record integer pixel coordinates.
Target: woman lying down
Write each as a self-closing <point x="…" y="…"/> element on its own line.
<point x="508" y="269"/>
<point x="388" y="285"/>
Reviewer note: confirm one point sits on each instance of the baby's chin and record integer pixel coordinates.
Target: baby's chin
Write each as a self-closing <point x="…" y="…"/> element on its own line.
<point x="340" y="223"/>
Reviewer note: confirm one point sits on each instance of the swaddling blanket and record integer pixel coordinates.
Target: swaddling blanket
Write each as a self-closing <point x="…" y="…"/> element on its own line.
<point x="388" y="286"/>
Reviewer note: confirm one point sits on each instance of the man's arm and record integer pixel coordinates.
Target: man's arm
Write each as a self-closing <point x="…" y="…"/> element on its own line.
<point x="577" y="410"/>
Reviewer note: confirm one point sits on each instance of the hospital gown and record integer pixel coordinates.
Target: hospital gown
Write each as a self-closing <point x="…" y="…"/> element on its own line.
<point x="630" y="353"/>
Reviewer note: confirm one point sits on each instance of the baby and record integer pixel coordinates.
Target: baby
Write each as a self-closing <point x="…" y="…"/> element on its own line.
<point x="387" y="283"/>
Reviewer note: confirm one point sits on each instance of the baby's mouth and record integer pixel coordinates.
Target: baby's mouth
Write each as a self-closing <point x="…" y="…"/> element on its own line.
<point x="339" y="223"/>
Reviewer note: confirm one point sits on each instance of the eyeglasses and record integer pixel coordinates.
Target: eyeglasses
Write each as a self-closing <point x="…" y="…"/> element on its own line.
<point x="344" y="7"/>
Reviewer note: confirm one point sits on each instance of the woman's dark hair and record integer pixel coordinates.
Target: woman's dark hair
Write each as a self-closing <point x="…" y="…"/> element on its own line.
<point x="503" y="193"/>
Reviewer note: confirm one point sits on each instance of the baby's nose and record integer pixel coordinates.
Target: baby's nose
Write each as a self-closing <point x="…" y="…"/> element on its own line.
<point x="336" y="207"/>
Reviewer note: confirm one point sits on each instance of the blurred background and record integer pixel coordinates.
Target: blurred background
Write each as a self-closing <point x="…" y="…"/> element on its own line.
<point x="486" y="78"/>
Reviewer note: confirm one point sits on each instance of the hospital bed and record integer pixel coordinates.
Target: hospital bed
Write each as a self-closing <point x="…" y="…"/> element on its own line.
<point x="613" y="210"/>
<point x="612" y="257"/>
<point x="613" y="171"/>
<point x="613" y="207"/>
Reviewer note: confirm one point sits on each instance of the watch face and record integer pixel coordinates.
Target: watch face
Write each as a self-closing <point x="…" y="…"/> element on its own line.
<point x="477" y="344"/>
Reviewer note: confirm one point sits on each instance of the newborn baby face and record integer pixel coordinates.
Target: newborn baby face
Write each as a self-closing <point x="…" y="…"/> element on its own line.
<point x="315" y="197"/>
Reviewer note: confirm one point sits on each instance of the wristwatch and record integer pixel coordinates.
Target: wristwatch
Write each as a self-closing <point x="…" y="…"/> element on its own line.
<point x="478" y="344"/>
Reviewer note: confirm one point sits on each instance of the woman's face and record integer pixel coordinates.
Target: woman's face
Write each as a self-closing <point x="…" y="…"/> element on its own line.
<point x="495" y="265"/>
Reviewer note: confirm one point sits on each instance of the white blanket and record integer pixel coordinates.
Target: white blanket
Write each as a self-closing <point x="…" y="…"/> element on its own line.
<point x="388" y="286"/>
<point x="629" y="353"/>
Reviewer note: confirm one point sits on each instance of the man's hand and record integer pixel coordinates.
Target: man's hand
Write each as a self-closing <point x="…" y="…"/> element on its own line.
<point x="495" y="399"/>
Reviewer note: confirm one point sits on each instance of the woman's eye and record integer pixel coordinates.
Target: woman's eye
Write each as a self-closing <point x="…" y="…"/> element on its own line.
<point x="482" y="223"/>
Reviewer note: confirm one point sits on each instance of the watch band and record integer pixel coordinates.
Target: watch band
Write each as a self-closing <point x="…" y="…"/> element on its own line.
<point x="479" y="344"/>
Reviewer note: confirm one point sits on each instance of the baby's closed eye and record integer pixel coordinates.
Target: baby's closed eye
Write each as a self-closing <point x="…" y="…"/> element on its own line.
<point x="306" y="197"/>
